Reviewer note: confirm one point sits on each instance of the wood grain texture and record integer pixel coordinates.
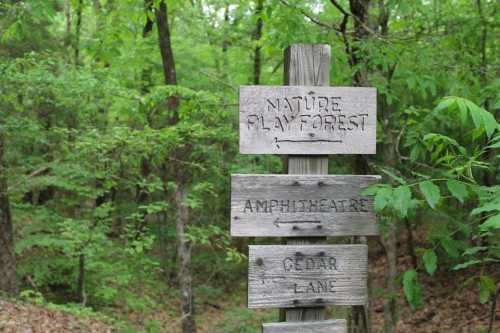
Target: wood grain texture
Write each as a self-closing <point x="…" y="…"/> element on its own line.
<point x="301" y="205"/>
<point x="289" y="276"/>
<point x="325" y="326"/>
<point x="307" y="120"/>
<point x="307" y="65"/>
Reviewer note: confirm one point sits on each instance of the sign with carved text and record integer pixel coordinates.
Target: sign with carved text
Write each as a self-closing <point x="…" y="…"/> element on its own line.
<point x="324" y="326"/>
<point x="307" y="120"/>
<point x="302" y="206"/>
<point x="288" y="276"/>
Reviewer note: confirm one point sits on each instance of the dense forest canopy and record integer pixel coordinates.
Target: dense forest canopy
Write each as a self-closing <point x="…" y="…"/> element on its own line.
<point x="119" y="132"/>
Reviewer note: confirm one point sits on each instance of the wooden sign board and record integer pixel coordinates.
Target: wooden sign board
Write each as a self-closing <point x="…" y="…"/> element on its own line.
<point x="288" y="276"/>
<point x="301" y="206"/>
<point x="305" y="120"/>
<point x="324" y="326"/>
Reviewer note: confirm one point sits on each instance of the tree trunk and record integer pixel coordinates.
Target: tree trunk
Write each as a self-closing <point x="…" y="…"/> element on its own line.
<point x="389" y="155"/>
<point x="180" y="195"/>
<point x="411" y="243"/>
<point x="359" y="9"/>
<point x="78" y="30"/>
<point x="81" y="296"/>
<point x="391" y="289"/>
<point x="257" y="36"/>
<point x="67" y="14"/>
<point x="167" y="58"/>
<point x="146" y="31"/>
<point x="225" y="44"/>
<point x="184" y="256"/>
<point x="8" y="278"/>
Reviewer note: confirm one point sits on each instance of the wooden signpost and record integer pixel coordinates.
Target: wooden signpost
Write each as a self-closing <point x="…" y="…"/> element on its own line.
<point x="300" y="205"/>
<point x="307" y="120"/>
<point x="287" y="276"/>
<point x="325" y="326"/>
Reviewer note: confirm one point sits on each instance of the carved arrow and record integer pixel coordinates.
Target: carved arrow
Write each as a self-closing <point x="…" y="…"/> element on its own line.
<point x="277" y="141"/>
<point x="277" y="222"/>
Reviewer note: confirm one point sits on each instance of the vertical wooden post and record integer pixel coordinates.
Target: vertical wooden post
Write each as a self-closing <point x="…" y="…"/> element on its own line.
<point x="306" y="65"/>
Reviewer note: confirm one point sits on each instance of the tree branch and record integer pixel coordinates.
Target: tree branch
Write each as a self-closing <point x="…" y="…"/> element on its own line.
<point x="346" y="13"/>
<point x="310" y="17"/>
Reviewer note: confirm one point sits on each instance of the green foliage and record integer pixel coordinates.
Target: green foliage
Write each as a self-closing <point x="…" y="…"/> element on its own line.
<point x="430" y="261"/>
<point x="431" y="193"/>
<point x="412" y="289"/>
<point x="457" y="189"/>
<point x="486" y="288"/>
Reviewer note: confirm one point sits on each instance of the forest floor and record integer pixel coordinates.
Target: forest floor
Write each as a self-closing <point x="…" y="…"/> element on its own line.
<point x="22" y="317"/>
<point x="450" y="305"/>
<point x="450" y="302"/>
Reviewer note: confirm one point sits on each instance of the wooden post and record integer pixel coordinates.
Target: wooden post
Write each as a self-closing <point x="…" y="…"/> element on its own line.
<point x="307" y="65"/>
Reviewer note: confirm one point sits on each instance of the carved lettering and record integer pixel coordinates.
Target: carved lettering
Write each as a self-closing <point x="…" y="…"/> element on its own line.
<point x="309" y="263"/>
<point x="320" y="205"/>
<point x="315" y="287"/>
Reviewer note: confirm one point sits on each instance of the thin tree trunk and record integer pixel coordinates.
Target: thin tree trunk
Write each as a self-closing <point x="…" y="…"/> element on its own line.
<point x="257" y="36"/>
<point x="225" y="44"/>
<point x="493" y="308"/>
<point x="78" y="30"/>
<point x="8" y="278"/>
<point x="81" y="296"/>
<point x="184" y="256"/>
<point x="411" y="242"/>
<point x="183" y="247"/>
<point x="67" y="14"/>
<point x="98" y="14"/>
<point x="167" y="57"/>
<point x="390" y="245"/>
<point x="489" y="174"/>
<point x="359" y="9"/>
<point x="146" y="31"/>
<point x="389" y="154"/>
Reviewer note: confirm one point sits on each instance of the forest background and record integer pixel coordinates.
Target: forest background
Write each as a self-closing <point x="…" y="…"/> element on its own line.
<point x="119" y="132"/>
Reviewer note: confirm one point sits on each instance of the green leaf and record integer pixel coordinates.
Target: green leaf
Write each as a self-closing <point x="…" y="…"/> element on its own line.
<point x="430" y="261"/>
<point x="495" y="145"/>
<point x="486" y="288"/>
<point x="393" y="176"/>
<point x="402" y="200"/>
<point x="466" y="264"/>
<point x="450" y="246"/>
<point x="382" y="199"/>
<point x="430" y="192"/>
<point x="457" y="189"/>
<point x="490" y="124"/>
<point x="446" y="103"/>
<point x="412" y="289"/>
<point x="473" y="250"/>
<point x="491" y="223"/>
<point x="490" y="206"/>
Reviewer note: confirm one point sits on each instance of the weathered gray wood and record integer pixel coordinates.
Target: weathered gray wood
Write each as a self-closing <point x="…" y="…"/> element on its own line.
<point x="307" y="120"/>
<point x="325" y="326"/>
<point x="307" y="65"/>
<point x="291" y="276"/>
<point x="300" y="205"/>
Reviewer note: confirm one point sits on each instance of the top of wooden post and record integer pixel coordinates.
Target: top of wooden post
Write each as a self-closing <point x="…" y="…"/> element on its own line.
<point x="307" y="65"/>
